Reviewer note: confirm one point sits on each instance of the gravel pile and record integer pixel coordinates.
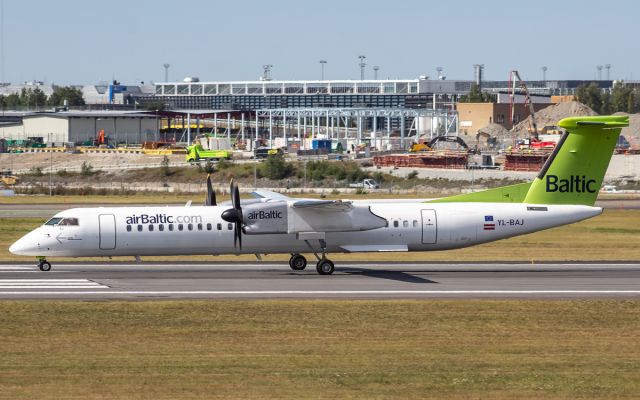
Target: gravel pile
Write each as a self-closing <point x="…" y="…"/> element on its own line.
<point x="632" y="132"/>
<point x="551" y="115"/>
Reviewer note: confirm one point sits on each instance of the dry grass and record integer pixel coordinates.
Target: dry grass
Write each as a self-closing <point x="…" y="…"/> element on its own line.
<point x="320" y="349"/>
<point x="613" y="236"/>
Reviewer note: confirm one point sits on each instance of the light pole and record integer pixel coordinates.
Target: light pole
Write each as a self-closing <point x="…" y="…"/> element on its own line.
<point x="50" y="166"/>
<point x="322" y="63"/>
<point x="157" y="128"/>
<point x="362" y="65"/>
<point x="544" y="73"/>
<point x="376" y="68"/>
<point x="166" y="71"/>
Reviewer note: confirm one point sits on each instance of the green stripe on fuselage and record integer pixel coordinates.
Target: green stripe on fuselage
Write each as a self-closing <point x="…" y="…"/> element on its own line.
<point x="504" y="194"/>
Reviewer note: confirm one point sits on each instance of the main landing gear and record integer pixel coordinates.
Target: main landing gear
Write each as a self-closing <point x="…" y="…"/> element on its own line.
<point x="44" y="265"/>
<point x="297" y="262"/>
<point x="324" y="266"/>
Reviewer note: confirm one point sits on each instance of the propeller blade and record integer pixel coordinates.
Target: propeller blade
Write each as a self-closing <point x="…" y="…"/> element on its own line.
<point x="236" y="197"/>
<point x="234" y="214"/>
<point x="211" y="194"/>
<point x="238" y="230"/>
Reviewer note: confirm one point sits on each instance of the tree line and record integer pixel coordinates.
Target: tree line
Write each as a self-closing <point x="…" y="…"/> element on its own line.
<point x="621" y="98"/>
<point x="35" y="98"/>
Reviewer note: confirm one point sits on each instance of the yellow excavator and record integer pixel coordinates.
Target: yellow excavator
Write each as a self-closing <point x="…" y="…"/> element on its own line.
<point x="8" y="179"/>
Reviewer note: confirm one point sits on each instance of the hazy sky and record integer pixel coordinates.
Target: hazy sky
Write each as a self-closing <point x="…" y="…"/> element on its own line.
<point x="76" y="41"/>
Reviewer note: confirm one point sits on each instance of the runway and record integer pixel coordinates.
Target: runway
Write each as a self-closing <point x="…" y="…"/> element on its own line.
<point x="110" y="281"/>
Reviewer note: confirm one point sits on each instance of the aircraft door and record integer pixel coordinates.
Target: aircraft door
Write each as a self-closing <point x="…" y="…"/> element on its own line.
<point x="429" y="227"/>
<point x="107" y="224"/>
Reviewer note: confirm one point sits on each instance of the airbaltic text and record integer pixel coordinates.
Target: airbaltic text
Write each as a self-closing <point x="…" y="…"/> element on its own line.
<point x="163" y="219"/>
<point x="574" y="183"/>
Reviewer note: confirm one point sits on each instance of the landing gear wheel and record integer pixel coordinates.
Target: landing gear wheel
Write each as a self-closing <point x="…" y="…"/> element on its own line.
<point x="44" y="266"/>
<point x="325" y="267"/>
<point x="297" y="262"/>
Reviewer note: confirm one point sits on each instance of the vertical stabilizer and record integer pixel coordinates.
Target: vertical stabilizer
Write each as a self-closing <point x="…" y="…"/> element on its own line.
<point x="574" y="172"/>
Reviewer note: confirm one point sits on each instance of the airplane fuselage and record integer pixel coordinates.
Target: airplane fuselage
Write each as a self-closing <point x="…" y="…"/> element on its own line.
<point x="199" y="230"/>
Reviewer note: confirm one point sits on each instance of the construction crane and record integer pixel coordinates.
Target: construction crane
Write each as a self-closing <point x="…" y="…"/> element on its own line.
<point x="516" y="84"/>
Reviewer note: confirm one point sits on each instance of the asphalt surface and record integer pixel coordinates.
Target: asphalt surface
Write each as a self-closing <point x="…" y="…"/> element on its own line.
<point x="90" y="281"/>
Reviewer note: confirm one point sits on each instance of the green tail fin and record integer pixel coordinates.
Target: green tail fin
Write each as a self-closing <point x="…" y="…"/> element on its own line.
<point x="574" y="172"/>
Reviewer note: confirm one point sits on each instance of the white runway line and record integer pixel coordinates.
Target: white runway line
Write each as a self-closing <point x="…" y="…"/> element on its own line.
<point x="15" y="268"/>
<point x="340" y="292"/>
<point x="49" y="284"/>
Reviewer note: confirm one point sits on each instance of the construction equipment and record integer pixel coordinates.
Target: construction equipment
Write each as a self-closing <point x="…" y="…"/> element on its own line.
<point x="515" y="83"/>
<point x="417" y="147"/>
<point x="198" y="153"/>
<point x="448" y="139"/>
<point x="8" y="179"/>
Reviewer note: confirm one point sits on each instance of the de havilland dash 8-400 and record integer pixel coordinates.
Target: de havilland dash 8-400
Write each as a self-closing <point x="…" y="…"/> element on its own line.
<point x="563" y="192"/>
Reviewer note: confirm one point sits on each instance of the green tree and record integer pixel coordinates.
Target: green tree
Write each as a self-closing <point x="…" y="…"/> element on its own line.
<point x="62" y="93"/>
<point x="275" y="167"/>
<point x="155" y="105"/>
<point x="165" y="171"/>
<point x="32" y="98"/>
<point x="13" y="101"/>
<point x="477" y="96"/>
<point x="590" y="96"/>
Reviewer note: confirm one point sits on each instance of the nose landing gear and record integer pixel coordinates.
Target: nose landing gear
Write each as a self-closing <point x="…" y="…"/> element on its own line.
<point x="44" y="265"/>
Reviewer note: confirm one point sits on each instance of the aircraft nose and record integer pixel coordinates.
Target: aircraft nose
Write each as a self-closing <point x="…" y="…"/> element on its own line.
<point x="23" y="247"/>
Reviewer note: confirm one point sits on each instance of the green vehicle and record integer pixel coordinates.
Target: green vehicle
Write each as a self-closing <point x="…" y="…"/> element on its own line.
<point x="197" y="153"/>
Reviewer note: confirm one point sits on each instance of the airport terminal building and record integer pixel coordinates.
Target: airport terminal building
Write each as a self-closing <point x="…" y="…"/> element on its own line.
<point x="402" y="93"/>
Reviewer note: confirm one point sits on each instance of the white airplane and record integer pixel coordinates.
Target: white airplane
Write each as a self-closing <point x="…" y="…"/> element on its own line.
<point x="564" y="192"/>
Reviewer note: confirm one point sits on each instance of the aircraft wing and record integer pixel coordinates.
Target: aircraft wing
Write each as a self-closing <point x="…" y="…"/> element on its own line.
<point x="269" y="195"/>
<point x="329" y="205"/>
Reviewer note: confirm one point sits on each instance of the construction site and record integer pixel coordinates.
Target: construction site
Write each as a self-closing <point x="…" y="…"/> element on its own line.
<point x="513" y="133"/>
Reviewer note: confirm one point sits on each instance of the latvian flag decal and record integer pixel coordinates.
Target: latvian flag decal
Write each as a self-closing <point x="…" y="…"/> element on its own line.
<point x="488" y="223"/>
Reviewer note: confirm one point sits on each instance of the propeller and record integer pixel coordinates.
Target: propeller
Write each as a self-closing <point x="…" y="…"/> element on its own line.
<point x="234" y="215"/>
<point x="211" y="194"/>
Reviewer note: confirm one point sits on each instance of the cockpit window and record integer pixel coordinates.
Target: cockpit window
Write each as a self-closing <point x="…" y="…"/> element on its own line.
<point x="62" y="221"/>
<point x="69" y="222"/>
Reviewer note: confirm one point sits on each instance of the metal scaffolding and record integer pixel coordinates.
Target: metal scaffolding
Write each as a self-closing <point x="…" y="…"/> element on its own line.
<point x="359" y="124"/>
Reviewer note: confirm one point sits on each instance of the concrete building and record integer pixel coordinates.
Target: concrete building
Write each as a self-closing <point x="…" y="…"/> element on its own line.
<point x="78" y="126"/>
<point x="473" y="116"/>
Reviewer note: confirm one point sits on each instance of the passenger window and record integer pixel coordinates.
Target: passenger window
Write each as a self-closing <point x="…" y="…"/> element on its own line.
<point x="139" y="228"/>
<point x="150" y="228"/>
<point x="171" y="227"/>
<point x="405" y="224"/>
<point x="229" y="226"/>
<point x="219" y="226"/>
<point x="161" y="227"/>
<point x="415" y="223"/>
<point x="190" y="227"/>
<point x="128" y="228"/>
<point x="395" y="224"/>
<point x="199" y="227"/>
<point x="209" y="227"/>
<point x="180" y="227"/>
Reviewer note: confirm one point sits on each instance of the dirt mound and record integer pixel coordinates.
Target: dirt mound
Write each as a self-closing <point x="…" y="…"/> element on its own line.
<point x="494" y="130"/>
<point x="551" y="115"/>
<point x="632" y="132"/>
<point x="499" y="137"/>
